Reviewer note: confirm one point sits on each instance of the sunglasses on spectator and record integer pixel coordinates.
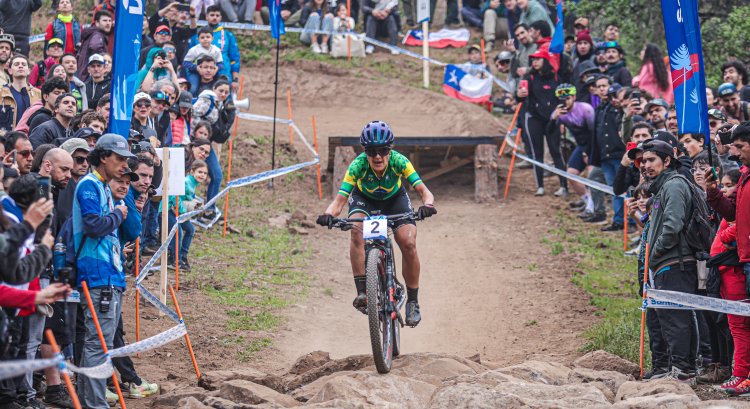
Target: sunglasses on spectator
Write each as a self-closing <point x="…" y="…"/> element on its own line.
<point x="81" y="160"/>
<point x="170" y="50"/>
<point x="143" y="105"/>
<point x="25" y="153"/>
<point x="579" y="26"/>
<point x="164" y="33"/>
<point x="373" y="152"/>
<point x="712" y="123"/>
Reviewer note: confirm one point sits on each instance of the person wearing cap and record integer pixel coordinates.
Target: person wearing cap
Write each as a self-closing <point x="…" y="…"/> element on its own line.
<point x="227" y="43"/>
<point x="182" y="118"/>
<point x="654" y="77"/>
<point x="570" y="44"/>
<point x="53" y="51"/>
<point x="96" y="219"/>
<point x="15" y="18"/>
<point x="18" y="95"/>
<point x="581" y="73"/>
<point x="581" y="24"/>
<point x="736" y="73"/>
<point x="716" y="118"/>
<point x="474" y="66"/>
<point x="584" y="50"/>
<point x="160" y="117"/>
<point x="7" y="45"/>
<point x="736" y="110"/>
<point x="98" y="82"/>
<point x="656" y="109"/>
<point x="157" y="67"/>
<point x="56" y="130"/>
<point x="162" y="34"/>
<point x="671" y="259"/>
<point x="142" y="105"/>
<point x="94" y="40"/>
<point x="616" y="67"/>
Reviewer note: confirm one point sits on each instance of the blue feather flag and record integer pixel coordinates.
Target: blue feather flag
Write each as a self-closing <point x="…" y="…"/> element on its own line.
<point x="277" y="23"/>
<point x="558" y="38"/>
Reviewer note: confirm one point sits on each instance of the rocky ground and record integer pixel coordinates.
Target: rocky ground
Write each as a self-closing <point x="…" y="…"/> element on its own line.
<point x="437" y="381"/>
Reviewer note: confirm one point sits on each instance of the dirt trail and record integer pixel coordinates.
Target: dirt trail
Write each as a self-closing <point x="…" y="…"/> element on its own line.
<point x="488" y="285"/>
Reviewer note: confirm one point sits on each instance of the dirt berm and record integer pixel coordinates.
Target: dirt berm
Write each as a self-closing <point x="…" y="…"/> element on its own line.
<point x="437" y="381"/>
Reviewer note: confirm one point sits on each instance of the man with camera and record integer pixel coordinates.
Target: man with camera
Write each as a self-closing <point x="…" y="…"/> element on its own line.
<point x="96" y="220"/>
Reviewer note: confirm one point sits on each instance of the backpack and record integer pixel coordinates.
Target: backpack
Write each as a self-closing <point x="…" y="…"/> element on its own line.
<point x="697" y="232"/>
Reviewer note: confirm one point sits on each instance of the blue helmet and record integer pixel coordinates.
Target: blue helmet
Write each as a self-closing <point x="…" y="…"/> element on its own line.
<point x="376" y="133"/>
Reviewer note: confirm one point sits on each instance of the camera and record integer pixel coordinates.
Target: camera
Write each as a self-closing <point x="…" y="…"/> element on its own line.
<point x="106" y="300"/>
<point x="725" y="134"/>
<point x="43" y="187"/>
<point x="183" y="7"/>
<point x="636" y="96"/>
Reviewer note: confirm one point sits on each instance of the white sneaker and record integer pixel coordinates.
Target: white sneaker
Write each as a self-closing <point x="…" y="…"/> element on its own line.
<point x="395" y="52"/>
<point x="324" y="48"/>
<point x="369" y="49"/>
<point x="561" y="192"/>
<point x="539" y="192"/>
<point x="315" y="48"/>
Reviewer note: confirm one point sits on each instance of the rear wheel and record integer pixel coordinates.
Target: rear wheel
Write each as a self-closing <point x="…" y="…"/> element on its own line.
<point x="381" y="326"/>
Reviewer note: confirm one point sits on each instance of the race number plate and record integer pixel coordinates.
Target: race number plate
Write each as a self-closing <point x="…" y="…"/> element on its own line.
<point x="375" y="227"/>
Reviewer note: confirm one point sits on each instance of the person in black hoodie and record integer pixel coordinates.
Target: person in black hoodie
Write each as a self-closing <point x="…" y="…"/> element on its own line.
<point x="51" y="91"/>
<point x="98" y="82"/>
<point x="540" y="103"/>
<point x="57" y="129"/>
<point x="15" y="18"/>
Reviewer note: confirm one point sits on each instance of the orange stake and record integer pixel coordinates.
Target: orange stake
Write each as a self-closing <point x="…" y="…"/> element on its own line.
<point x="484" y="57"/>
<point x="510" y="129"/>
<point x="137" y="293"/>
<point x="229" y="163"/>
<point x="177" y="245"/>
<point x="512" y="163"/>
<point x="289" y="111"/>
<point x="643" y="312"/>
<point x="315" y="142"/>
<point x="625" y="226"/>
<point x="187" y="338"/>
<point x="66" y="376"/>
<point x="101" y="339"/>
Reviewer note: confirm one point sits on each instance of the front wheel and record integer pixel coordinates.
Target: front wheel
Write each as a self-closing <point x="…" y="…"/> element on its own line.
<point x="381" y="326"/>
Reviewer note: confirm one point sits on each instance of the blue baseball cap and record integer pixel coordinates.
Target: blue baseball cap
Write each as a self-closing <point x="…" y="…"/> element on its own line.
<point x="727" y="88"/>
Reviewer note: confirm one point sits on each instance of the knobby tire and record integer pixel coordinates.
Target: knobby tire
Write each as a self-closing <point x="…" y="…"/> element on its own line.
<point x="380" y="326"/>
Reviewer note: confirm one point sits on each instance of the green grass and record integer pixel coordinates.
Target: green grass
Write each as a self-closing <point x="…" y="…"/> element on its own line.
<point x="252" y="348"/>
<point x="610" y="279"/>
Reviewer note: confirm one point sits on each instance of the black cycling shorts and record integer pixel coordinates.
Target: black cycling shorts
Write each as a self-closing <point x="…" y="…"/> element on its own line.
<point x="396" y="204"/>
<point x="64" y="328"/>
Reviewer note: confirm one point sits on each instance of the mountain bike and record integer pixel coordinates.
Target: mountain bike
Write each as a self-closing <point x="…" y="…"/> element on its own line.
<point x="386" y="296"/>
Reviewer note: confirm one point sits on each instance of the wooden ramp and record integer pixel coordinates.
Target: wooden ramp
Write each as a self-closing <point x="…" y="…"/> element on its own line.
<point x="433" y="156"/>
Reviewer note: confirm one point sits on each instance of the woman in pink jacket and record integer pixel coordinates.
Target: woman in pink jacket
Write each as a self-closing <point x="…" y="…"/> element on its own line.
<point x="654" y="76"/>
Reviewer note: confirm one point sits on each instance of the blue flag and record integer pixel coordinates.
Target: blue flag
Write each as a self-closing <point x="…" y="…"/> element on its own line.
<point x="125" y="58"/>
<point x="686" y="62"/>
<point x="558" y="38"/>
<point x="277" y="23"/>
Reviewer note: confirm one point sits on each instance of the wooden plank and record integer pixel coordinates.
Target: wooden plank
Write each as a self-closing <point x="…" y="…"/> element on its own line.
<point x="343" y="156"/>
<point x="449" y="166"/>
<point x="485" y="173"/>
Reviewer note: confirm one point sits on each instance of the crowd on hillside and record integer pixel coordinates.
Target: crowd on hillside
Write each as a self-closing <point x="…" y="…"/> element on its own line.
<point x="74" y="199"/>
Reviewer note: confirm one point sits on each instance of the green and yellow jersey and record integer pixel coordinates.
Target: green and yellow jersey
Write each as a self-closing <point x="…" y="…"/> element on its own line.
<point x="361" y="175"/>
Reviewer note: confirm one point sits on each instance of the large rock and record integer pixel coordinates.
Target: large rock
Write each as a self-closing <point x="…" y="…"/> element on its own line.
<point x="310" y="361"/>
<point x="613" y="380"/>
<point x="632" y="389"/>
<point x="549" y="373"/>
<point x="305" y="392"/>
<point x="172" y="399"/>
<point x="658" y="401"/>
<point x="344" y="404"/>
<point x="519" y="394"/>
<point x="375" y="389"/>
<point x="604" y="361"/>
<point x="720" y="404"/>
<point x="241" y="391"/>
<point x="434" y="368"/>
<point x="191" y="403"/>
<point x="352" y="363"/>
<point x="212" y="380"/>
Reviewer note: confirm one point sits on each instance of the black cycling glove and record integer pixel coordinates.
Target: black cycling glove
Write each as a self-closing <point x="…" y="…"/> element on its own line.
<point x="325" y="220"/>
<point x="426" y="211"/>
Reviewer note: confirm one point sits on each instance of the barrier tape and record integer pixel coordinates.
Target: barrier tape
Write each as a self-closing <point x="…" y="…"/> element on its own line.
<point x="154" y="300"/>
<point x="701" y="302"/>
<point x="148" y="344"/>
<point x="12" y="369"/>
<point x="582" y="180"/>
<point x="103" y="371"/>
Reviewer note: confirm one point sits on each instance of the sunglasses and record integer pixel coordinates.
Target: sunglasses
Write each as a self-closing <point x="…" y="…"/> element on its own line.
<point x="80" y="160"/>
<point x="580" y="26"/>
<point x="712" y="123"/>
<point x="170" y="50"/>
<point x="143" y="105"/>
<point x="164" y="33"/>
<point x="25" y="154"/>
<point x="373" y="152"/>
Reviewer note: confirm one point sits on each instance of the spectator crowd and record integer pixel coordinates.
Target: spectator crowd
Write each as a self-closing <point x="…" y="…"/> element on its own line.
<point x="74" y="198"/>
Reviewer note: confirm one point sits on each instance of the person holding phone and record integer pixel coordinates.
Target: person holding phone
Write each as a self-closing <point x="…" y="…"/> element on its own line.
<point x="537" y="89"/>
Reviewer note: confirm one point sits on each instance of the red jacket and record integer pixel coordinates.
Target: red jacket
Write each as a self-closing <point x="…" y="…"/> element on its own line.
<point x="735" y="207"/>
<point x="14" y="298"/>
<point x="732" y="277"/>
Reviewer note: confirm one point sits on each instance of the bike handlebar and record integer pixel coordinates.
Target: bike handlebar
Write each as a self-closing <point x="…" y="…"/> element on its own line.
<point x="346" y="224"/>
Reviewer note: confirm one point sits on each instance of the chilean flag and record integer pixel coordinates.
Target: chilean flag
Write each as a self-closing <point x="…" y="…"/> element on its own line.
<point x="461" y="85"/>
<point x="683" y="34"/>
<point x="439" y="39"/>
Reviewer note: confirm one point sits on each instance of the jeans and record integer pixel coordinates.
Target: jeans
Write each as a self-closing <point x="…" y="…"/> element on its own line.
<point x="150" y="224"/>
<point x="242" y="10"/>
<point x="36" y="331"/>
<point x="187" y="232"/>
<point x="609" y="167"/>
<point x="451" y="12"/>
<point x="92" y="392"/>
<point x="373" y="25"/>
<point x="597" y="175"/>
<point x="472" y="16"/>
<point x="216" y="175"/>
<point x="314" y="22"/>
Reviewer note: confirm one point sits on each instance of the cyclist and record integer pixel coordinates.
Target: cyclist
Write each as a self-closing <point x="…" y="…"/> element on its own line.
<point x="373" y="183"/>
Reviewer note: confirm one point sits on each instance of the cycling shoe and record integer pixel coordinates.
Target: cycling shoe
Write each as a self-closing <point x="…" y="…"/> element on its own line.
<point x="413" y="317"/>
<point x="360" y="303"/>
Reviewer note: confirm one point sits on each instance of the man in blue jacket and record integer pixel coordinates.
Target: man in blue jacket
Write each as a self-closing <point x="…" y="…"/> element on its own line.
<point x="96" y="220"/>
<point x="227" y="43"/>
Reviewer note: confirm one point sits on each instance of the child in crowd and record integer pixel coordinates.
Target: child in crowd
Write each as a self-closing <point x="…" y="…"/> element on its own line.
<point x="197" y="176"/>
<point x="204" y="46"/>
<point x="181" y="116"/>
<point x="65" y="27"/>
<point x="341" y="22"/>
<point x="474" y="66"/>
